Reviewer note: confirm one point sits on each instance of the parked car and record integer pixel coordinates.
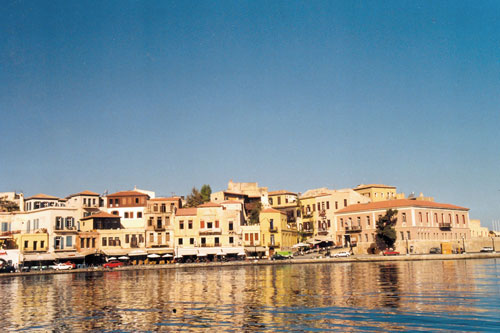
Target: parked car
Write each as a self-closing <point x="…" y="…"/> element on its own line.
<point x="390" y="253"/>
<point x="61" y="266"/>
<point x="6" y="268"/>
<point x="113" y="264"/>
<point x="487" y="249"/>
<point x="435" y="250"/>
<point x="342" y="254"/>
<point x="73" y="266"/>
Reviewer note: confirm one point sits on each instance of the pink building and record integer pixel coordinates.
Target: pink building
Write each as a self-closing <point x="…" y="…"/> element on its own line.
<point x="417" y="220"/>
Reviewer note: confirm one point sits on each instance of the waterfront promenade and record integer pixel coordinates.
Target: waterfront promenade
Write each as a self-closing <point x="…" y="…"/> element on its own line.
<point x="263" y="262"/>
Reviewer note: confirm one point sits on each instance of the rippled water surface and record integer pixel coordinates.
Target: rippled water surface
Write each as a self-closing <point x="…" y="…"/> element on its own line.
<point x="421" y="295"/>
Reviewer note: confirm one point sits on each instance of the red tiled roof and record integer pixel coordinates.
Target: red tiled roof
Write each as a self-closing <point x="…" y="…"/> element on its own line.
<point x="397" y="203"/>
<point x="280" y="192"/>
<point x="43" y="196"/>
<point x="363" y="186"/>
<point x="127" y="194"/>
<point x="100" y="215"/>
<point x="209" y="204"/>
<point x="271" y="210"/>
<point x="84" y="193"/>
<point x="186" y="212"/>
<point x="166" y="199"/>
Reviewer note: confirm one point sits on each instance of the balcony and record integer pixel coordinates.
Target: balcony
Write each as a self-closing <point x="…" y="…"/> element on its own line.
<point x="352" y="229"/>
<point x="213" y="231"/>
<point x="322" y="232"/>
<point x="273" y="230"/>
<point x="273" y="244"/>
<point x="160" y="227"/>
<point x="444" y="225"/>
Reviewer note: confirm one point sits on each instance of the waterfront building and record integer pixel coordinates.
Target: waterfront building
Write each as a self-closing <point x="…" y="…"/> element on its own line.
<point x="287" y="202"/>
<point x="186" y="228"/>
<point x="86" y="202"/>
<point x="476" y="231"/>
<point x="159" y="215"/>
<point x="377" y="192"/>
<point x="17" y="198"/>
<point x="248" y="193"/>
<point x="130" y="206"/>
<point x="417" y="220"/>
<point x="41" y="201"/>
<point x="276" y="233"/>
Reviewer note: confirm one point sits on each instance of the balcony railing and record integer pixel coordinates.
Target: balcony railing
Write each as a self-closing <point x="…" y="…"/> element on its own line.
<point x="160" y="227"/>
<point x="353" y="228"/>
<point x="63" y="228"/>
<point x="273" y="229"/>
<point x="213" y="231"/>
<point x="444" y="225"/>
<point x="322" y="232"/>
<point x="273" y="244"/>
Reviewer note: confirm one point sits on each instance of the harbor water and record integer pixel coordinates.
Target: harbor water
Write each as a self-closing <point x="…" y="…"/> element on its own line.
<point x="448" y="295"/>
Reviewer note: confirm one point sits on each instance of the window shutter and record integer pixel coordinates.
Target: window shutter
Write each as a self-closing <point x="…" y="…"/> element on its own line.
<point x="216" y="223"/>
<point x="202" y="224"/>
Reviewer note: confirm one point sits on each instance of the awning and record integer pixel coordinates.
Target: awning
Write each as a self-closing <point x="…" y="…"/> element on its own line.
<point x="39" y="257"/>
<point x="252" y="249"/>
<point x="160" y="250"/>
<point x="324" y="238"/>
<point x="137" y="253"/>
<point x="115" y="252"/>
<point x="187" y="252"/>
<point x="69" y="255"/>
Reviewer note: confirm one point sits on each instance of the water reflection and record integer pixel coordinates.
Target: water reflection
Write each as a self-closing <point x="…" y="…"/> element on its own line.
<point x="343" y="296"/>
<point x="388" y="279"/>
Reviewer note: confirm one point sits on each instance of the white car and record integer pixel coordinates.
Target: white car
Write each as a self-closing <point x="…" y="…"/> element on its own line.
<point x="342" y="254"/>
<point x="61" y="266"/>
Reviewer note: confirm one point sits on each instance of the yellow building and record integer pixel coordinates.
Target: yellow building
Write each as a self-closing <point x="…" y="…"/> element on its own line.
<point x="32" y="242"/>
<point x="476" y="230"/>
<point x="377" y="192"/>
<point x="276" y="233"/>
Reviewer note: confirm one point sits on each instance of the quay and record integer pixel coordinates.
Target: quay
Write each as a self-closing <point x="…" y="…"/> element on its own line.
<point x="261" y="262"/>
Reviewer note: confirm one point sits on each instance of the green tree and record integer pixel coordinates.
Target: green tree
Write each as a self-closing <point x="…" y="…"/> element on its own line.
<point x="205" y="192"/>
<point x="253" y="217"/>
<point x="194" y="199"/>
<point x="7" y="205"/>
<point x="386" y="234"/>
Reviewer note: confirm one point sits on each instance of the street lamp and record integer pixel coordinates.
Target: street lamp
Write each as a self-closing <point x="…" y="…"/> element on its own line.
<point x="463" y="243"/>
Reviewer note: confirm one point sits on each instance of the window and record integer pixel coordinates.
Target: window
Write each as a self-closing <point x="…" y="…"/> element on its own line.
<point x="368" y="221"/>
<point x="230" y="225"/>
<point x="404" y="217"/>
<point x="69" y="241"/>
<point x="191" y="241"/>
<point x="359" y="221"/>
<point x="270" y="201"/>
<point x="117" y="241"/>
<point x="180" y="241"/>
<point x="408" y="235"/>
<point x="202" y="224"/>
<point x="131" y="215"/>
<point x="155" y="207"/>
<point x="329" y="224"/>
<point x="279" y="200"/>
<point x="436" y="217"/>
<point x="82" y="242"/>
<point x="203" y="241"/>
<point x="93" y="201"/>
<point x="84" y="201"/>
<point x="216" y="223"/>
<point x="210" y="225"/>
<point x="150" y="222"/>
<point x="246" y="237"/>
<point x="139" y="215"/>
<point x="328" y="205"/>
<point x="127" y="238"/>
<point x="456" y="217"/>
<point x="402" y="235"/>
<point x="345" y="202"/>
<point x="151" y="237"/>
<point x="136" y="200"/>
<point x="256" y="236"/>
<point x="336" y="205"/>
<point x="366" y="237"/>
<point x="463" y="219"/>
<point x="163" y="208"/>
<point x="126" y="215"/>
<point x="26" y="243"/>
<point x="216" y="240"/>
<point x="231" y="240"/>
<point x="104" y="241"/>
<point x="141" y="238"/>
<point x="342" y="222"/>
<point x="42" y="244"/>
<point x="181" y="224"/>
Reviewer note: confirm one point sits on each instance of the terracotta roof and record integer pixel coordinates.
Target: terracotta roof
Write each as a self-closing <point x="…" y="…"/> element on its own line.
<point x="280" y="192"/>
<point x="209" y="204"/>
<point x="100" y="215"/>
<point x="397" y="203"/>
<point x="166" y="199"/>
<point x="42" y="196"/>
<point x="83" y="193"/>
<point x="231" y="202"/>
<point x="186" y="212"/>
<point x="271" y="210"/>
<point x="127" y="194"/>
<point x="363" y="186"/>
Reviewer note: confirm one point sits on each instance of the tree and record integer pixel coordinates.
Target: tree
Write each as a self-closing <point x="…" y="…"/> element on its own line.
<point x="194" y="199"/>
<point x="7" y="205"/>
<point x="386" y="234"/>
<point x="253" y="217"/>
<point x="205" y="192"/>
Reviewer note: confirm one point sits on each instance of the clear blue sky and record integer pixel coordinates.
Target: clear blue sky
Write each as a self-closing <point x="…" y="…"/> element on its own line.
<point x="294" y="95"/>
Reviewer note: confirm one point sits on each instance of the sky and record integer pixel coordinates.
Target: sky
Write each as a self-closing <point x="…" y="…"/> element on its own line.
<point x="167" y="95"/>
